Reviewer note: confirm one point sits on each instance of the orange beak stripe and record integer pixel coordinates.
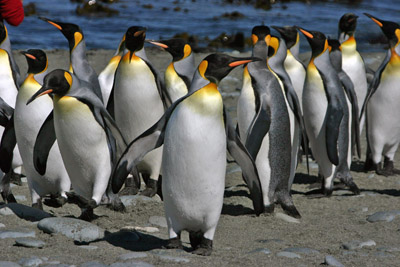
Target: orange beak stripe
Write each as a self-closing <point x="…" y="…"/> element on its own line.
<point x="306" y="33"/>
<point x="55" y="25"/>
<point x="159" y="44"/>
<point x="46" y="92"/>
<point x="30" y="56"/>
<point x="138" y="33"/>
<point x="377" y="22"/>
<point x="239" y="62"/>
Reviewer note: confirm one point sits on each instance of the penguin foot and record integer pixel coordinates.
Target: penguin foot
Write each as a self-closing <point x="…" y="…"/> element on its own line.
<point x="174" y="243"/>
<point x="116" y="204"/>
<point x="195" y="239"/>
<point x="204" y="248"/>
<point x="291" y="210"/>
<point x="87" y="215"/>
<point x="353" y="188"/>
<point x="131" y="187"/>
<point x="38" y="205"/>
<point x="269" y="209"/>
<point x="388" y="168"/>
<point x="15" y="178"/>
<point x="74" y="198"/>
<point x="8" y="197"/>
<point x="151" y="188"/>
<point x="55" y="202"/>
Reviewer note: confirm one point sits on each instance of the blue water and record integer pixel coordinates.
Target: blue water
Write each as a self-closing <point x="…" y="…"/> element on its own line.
<point x="105" y="32"/>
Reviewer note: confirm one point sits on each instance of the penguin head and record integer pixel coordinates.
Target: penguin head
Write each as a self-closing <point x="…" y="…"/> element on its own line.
<point x="348" y="24"/>
<point x="134" y="38"/>
<point x="71" y="31"/>
<point x="289" y="34"/>
<point x="317" y="41"/>
<point x="260" y="33"/>
<point x="389" y="28"/>
<point x="36" y="59"/>
<point x="333" y="45"/>
<point x="3" y="32"/>
<point x="56" y="82"/>
<point x="178" y="48"/>
<point x="216" y="66"/>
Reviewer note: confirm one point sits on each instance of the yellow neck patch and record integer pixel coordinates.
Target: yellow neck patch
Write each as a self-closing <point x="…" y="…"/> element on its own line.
<point x="274" y="43"/>
<point x="397" y="33"/>
<point x="68" y="77"/>
<point x="206" y="101"/>
<point x="128" y="57"/>
<point x="202" y="68"/>
<point x="187" y="50"/>
<point x="77" y="38"/>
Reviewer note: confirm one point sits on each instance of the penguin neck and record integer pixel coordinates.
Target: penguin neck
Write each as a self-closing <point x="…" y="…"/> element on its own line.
<point x="185" y="67"/>
<point x="349" y="46"/>
<point x="78" y="54"/>
<point x="394" y="57"/>
<point x="322" y="61"/>
<point x="295" y="49"/>
<point x="39" y="77"/>
<point x="198" y="82"/>
<point x="141" y="53"/>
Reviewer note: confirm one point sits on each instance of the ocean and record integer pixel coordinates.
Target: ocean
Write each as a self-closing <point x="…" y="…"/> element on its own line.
<point x="202" y="18"/>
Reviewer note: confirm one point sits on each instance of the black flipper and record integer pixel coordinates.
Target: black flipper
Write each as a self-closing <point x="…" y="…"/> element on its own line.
<point x="375" y="82"/>
<point x="334" y="116"/>
<point x="258" y="129"/>
<point x="351" y="94"/>
<point x="8" y="143"/>
<point x="5" y="112"/>
<point x="138" y="148"/>
<point x="44" y="141"/>
<point x="246" y="163"/>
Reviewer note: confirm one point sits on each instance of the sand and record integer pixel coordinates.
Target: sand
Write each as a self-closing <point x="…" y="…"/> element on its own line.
<point x="241" y="239"/>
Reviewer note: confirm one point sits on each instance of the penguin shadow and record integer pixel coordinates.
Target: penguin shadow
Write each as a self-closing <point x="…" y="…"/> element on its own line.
<point x="357" y="166"/>
<point x="237" y="209"/>
<point x="133" y="241"/>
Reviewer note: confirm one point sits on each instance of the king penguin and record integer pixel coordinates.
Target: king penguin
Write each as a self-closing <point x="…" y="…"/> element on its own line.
<point x="195" y="132"/>
<point x="137" y="102"/>
<point x="87" y="137"/>
<point x="6" y="45"/>
<point x="381" y="106"/>
<point x="352" y="62"/>
<point x="79" y="64"/>
<point x="277" y="53"/>
<point x="27" y="122"/>
<point x="264" y="125"/>
<point x="106" y="76"/>
<point x="179" y="73"/>
<point x="293" y="65"/>
<point x="326" y="115"/>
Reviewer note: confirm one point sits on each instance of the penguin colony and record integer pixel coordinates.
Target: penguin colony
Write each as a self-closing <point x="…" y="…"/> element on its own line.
<point x="82" y="137"/>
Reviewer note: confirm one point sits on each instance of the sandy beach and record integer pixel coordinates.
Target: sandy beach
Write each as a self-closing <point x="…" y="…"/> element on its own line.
<point x="333" y="230"/>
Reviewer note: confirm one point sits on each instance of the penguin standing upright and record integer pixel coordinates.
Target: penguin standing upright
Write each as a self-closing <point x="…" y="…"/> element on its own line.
<point x="326" y="116"/>
<point x="381" y="105"/>
<point x="352" y="63"/>
<point x="79" y="64"/>
<point x="136" y="101"/>
<point x="106" y="76"/>
<point x="27" y="122"/>
<point x="194" y="156"/>
<point x="179" y="72"/>
<point x="86" y="134"/>
<point x="6" y="45"/>
<point x="277" y="53"/>
<point x="264" y="123"/>
<point x="293" y="65"/>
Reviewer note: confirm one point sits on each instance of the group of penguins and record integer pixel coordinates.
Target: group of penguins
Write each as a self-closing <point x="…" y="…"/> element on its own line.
<point x="82" y="137"/>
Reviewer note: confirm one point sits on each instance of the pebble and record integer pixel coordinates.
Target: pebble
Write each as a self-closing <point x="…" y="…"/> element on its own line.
<point x="357" y="244"/>
<point x="132" y="200"/>
<point x="93" y="264"/>
<point x="372" y="175"/>
<point x="261" y="250"/>
<point x="30" y="242"/>
<point x="2" y="225"/>
<point x="5" y="211"/>
<point x="9" y="264"/>
<point x="270" y="240"/>
<point x="383" y="216"/>
<point x="131" y="264"/>
<point x="32" y="261"/>
<point x="24" y="212"/>
<point x="174" y="259"/>
<point x="16" y="233"/>
<point x="331" y="261"/>
<point x="388" y="249"/>
<point x="20" y="197"/>
<point x="158" y="220"/>
<point x="286" y="218"/>
<point x="290" y="255"/>
<point x="132" y="255"/>
<point x="147" y="229"/>
<point x="88" y="247"/>
<point x="79" y="230"/>
<point x="300" y="250"/>
<point x="233" y="169"/>
<point x="383" y="254"/>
